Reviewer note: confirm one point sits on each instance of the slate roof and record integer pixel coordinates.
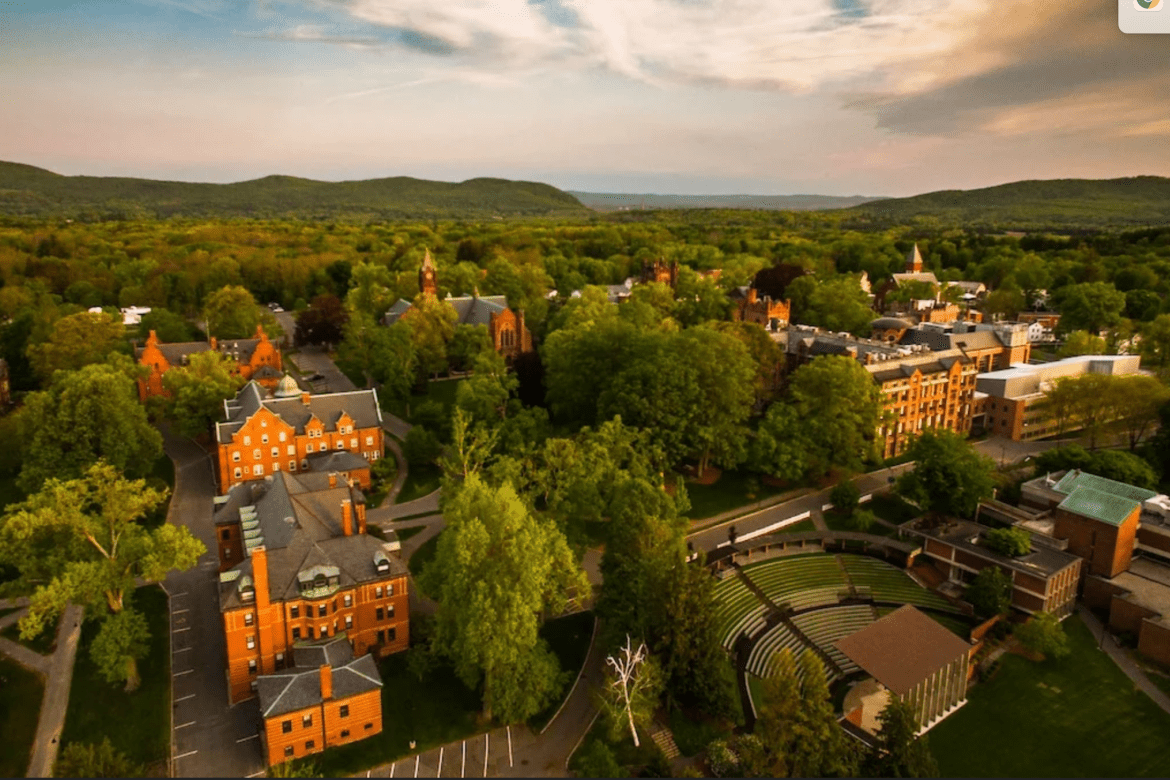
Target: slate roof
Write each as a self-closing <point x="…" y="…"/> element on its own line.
<point x="884" y="323"/>
<point x="361" y="405"/>
<point x="922" y="276"/>
<point x="900" y="370"/>
<point x="299" y="528"/>
<point x="338" y="460"/>
<point x="300" y="686"/>
<point x="903" y="648"/>
<point x="469" y="309"/>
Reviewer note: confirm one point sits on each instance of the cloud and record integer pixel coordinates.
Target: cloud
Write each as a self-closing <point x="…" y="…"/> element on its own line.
<point x="1052" y="68"/>
<point x="312" y="33"/>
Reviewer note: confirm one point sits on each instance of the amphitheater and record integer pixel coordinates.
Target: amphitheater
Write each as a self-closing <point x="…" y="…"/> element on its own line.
<point x="810" y="601"/>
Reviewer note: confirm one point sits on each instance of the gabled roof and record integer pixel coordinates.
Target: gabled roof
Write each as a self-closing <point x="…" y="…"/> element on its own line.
<point x="471" y="310"/>
<point x="395" y="312"/>
<point x="922" y="276"/>
<point x="1075" y="478"/>
<point x="1099" y="505"/>
<point x="300" y="687"/>
<point x="361" y="406"/>
<point x="903" y="649"/>
<point x="338" y="460"/>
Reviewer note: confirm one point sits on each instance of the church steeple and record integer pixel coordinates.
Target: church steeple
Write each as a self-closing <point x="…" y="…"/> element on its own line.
<point x="914" y="261"/>
<point x="428" y="281"/>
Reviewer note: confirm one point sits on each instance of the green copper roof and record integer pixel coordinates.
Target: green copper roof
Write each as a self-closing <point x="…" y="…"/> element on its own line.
<point x="1099" y="505"/>
<point x="1076" y="478"/>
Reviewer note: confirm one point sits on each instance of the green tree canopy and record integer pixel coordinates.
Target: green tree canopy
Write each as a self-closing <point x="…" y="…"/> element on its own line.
<point x="1081" y="342"/>
<point x="85" y="415"/>
<point x="198" y="389"/>
<point x="950" y="477"/>
<point x="990" y="593"/>
<point x="83" y="759"/>
<point x="232" y="313"/>
<point x="1091" y="306"/>
<point x="77" y="341"/>
<point x="900" y="750"/>
<point x="169" y="327"/>
<point x="323" y="322"/>
<point x="1012" y="542"/>
<point x="432" y="326"/>
<point x="1044" y="635"/>
<point x="498" y="572"/>
<point x="88" y="541"/>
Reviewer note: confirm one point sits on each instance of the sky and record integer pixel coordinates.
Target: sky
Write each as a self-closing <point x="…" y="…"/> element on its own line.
<point x="832" y="97"/>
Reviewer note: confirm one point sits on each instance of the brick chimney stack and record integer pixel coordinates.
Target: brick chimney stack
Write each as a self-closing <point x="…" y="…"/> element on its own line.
<point x="326" y="682"/>
<point x="260" y="575"/>
<point x="332" y="479"/>
<point x="214" y="343"/>
<point x="361" y="518"/>
<point x="752" y="295"/>
<point x="347" y="517"/>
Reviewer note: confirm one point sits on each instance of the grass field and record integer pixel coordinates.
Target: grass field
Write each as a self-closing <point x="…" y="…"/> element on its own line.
<point x="423" y="555"/>
<point x="1079" y="717"/>
<point x="138" y="723"/>
<point x="420" y="481"/>
<point x="20" y="707"/>
<point x="729" y="492"/>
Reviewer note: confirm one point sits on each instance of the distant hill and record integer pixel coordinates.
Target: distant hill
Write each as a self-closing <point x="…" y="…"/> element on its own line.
<point x="1071" y="203"/>
<point x="29" y="191"/>
<point x="618" y="201"/>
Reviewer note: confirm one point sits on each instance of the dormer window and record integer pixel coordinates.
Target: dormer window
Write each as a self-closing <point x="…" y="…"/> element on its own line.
<point x="247" y="589"/>
<point x="381" y="563"/>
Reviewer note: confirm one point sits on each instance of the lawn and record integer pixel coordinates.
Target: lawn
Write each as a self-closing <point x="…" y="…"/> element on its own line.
<point x="20" y="706"/>
<point x="892" y="508"/>
<point x="1079" y="717"/>
<point x="423" y="555"/>
<point x="838" y="521"/>
<point x="432" y="711"/>
<point x="799" y="528"/>
<point x="569" y="637"/>
<point x="443" y="392"/>
<point x="405" y="533"/>
<point x="138" y="723"/>
<point x="420" y="481"/>
<point x="730" y="491"/>
<point x="42" y="643"/>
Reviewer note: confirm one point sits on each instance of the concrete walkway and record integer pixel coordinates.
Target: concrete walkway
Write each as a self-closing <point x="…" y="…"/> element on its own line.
<point x="427" y="505"/>
<point x="57" y="669"/>
<point x="1122" y="658"/>
<point x="55" y="703"/>
<point x="403" y="470"/>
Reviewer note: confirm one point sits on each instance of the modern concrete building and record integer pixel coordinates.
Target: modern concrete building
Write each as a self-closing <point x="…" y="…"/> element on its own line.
<point x="1016" y="401"/>
<point x="912" y="657"/>
<point x="1044" y="580"/>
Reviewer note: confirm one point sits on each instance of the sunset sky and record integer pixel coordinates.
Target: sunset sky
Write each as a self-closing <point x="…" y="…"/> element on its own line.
<point x="836" y="97"/>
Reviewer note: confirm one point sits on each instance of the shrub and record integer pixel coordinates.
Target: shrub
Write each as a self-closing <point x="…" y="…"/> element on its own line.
<point x="722" y="760"/>
<point x="597" y="760"/>
<point x="845" y="495"/>
<point x="862" y="520"/>
<point x="1012" y="542"/>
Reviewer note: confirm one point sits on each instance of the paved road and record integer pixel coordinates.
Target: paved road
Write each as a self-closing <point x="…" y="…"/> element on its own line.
<point x="210" y="738"/>
<point x="427" y="505"/>
<point x="706" y="537"/>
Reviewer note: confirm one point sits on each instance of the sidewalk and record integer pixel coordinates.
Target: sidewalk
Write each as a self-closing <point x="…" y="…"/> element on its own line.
<point x="1123" y="660"/>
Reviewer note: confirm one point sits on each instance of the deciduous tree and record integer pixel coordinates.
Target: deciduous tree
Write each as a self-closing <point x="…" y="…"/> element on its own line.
<point x="1044" y="635"/>
<point x="76" y="341"/>
<point x="498" y="571"/>
<point x="83" y="416"/>
<point x="990" y="592"/>
<point x="323" y="322"/>
<point x="950" y="477"/>
<point x="198" y="389"/>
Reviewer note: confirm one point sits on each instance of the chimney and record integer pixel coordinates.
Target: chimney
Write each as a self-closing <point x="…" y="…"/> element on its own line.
<point x="326" y="682"/>
<point x="332" y="479"/>
<point x="752" y="295"/>
<point x="305" y="398"/>
<point x="361" y="517"/>
<point x="260" y="334"/>
<point x="260" y="576"/>
<point x="214" y="343"/>
<point x="152" y="340"/>
<point x="347" y="517"/>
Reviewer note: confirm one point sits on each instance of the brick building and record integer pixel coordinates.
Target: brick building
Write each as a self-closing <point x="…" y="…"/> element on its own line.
<point x="921" y="389"/>
<point x="1136" y="602"/>
<point x="509" y="334"/>
<point x="299" y="571"/>
<point x="1016" y="403"/>
<point x="1097" y="517"/>
<point x="921" y="392"/>
<point x="750" y="307"/>
<point x="1044" y="580"/>
<point x="264" y="434"/>
<point x="992" y="347"/>
<point x="328" y="698"/>
<point x="256" y="359"/>
<point x="909" y="656"/>
<point x="660" y="271"/>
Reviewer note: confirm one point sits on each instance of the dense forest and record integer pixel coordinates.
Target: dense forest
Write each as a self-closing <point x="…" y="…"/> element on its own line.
<point x="29" y="191"/>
